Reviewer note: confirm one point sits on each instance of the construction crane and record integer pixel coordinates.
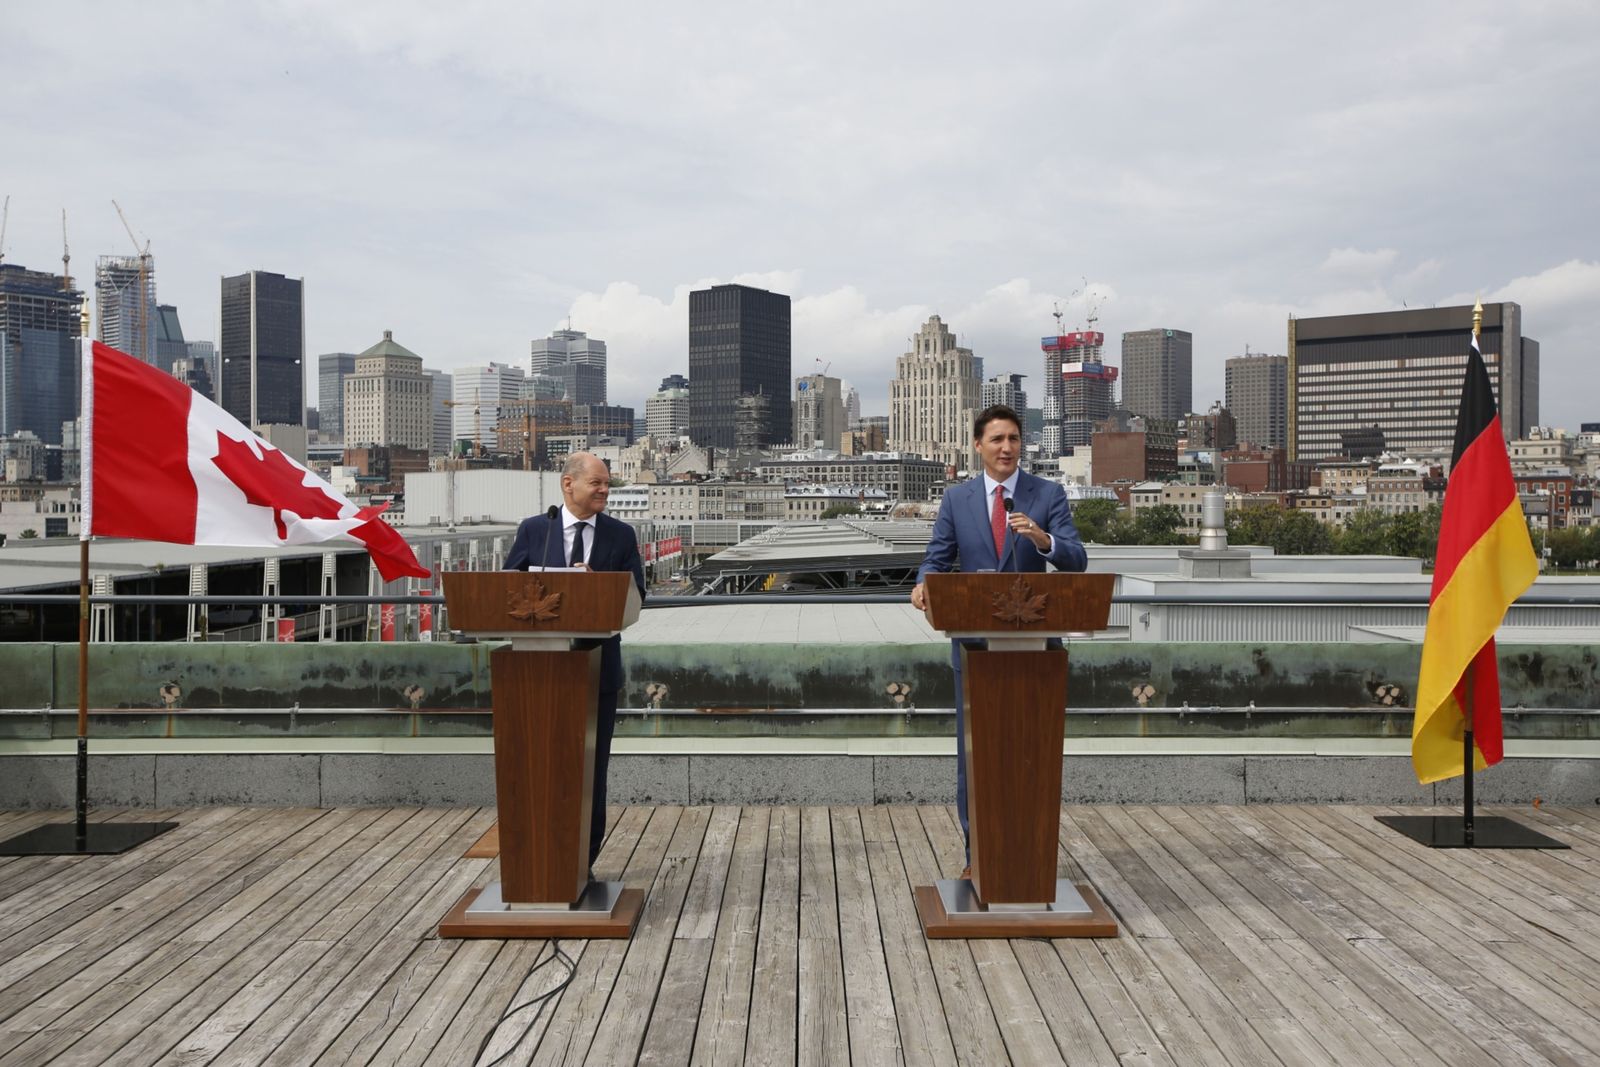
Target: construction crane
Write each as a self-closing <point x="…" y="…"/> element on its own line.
<point x="141" y="312"/>
<point x="5" y="217"/>
<point x="477" y="422"/>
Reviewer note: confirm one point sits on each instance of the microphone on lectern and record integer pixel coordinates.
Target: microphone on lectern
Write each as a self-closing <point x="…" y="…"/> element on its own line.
<point x="552" y="516"/>
<point x="1008" y="504"/>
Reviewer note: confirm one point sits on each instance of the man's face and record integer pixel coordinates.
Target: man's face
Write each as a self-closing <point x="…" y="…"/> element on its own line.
<point x="1000" y="447"/>
<point x="585" y="493"/>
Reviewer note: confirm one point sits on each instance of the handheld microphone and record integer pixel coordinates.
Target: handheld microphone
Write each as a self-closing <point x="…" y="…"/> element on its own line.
<point x="552" y="516"/>
<point x="1011" y="535"/>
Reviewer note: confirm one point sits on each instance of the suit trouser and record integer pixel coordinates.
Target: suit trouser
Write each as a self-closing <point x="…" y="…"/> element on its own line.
<point x="605" y="726"/>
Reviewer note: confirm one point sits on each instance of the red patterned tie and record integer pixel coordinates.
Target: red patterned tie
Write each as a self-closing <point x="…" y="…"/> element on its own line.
<point x="997" y="520"/>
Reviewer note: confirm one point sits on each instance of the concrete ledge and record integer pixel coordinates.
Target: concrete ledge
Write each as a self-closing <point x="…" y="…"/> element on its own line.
<point x="336" y="779"/>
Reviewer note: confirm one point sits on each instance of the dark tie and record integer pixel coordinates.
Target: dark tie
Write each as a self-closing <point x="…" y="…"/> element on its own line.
<point x="577" y="544"/>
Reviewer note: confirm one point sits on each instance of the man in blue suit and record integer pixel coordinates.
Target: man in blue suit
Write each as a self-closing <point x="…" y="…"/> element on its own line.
<point x="588" y="538"/>
<point x="977" y="531"/>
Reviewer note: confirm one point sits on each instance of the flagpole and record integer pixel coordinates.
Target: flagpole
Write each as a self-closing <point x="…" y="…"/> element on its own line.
<point x="82" y="828"/>
<point x="1467" y="761"/>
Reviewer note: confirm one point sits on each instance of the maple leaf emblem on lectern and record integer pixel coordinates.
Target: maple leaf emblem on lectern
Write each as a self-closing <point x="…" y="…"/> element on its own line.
<point x="531" y="602"/>
<point x="1018" y="605"/>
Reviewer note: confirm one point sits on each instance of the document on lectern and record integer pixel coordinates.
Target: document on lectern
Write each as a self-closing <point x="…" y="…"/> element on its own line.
<point x="532" y="569"/>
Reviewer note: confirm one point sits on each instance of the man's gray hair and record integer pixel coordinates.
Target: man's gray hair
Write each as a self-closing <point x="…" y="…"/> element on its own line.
<point x="577" y="464"/>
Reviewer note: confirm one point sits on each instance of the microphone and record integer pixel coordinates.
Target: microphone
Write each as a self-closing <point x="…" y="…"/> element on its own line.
<point x="1011" y="535"/>
<point x="552" y="516"/>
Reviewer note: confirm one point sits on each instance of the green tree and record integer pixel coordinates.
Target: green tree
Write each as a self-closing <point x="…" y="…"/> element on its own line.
<point x="29" y="534"/>
<point x="1159" y="525"/>
<point x="1365" y="533"/>
<point x="1408" y="537"/>
<point x="1094" y="519"/>
<point x="1571" y="548"/>
<point x="834" y="511"/>
<point x="1254" y="525"/>
<point x="1301" y="533"/>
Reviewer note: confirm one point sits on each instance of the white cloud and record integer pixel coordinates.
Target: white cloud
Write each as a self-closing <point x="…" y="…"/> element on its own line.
<point x="1354" y="261"/>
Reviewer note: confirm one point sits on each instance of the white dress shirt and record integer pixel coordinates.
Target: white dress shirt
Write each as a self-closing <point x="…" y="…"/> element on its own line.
<point x="569" y="527"/>
<point x="1010" y="484"/>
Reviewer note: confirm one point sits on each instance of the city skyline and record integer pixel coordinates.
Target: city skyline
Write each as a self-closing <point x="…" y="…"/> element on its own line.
<point x="1259" y="204"/>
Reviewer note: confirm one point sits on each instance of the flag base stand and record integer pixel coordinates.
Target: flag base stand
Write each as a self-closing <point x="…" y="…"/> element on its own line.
<point x="98" y="839"/>
<point x="1450" y="831"/>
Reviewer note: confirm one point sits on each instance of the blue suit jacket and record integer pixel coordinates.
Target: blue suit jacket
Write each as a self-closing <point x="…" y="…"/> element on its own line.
<point x="962" y="534"/>
<point x="615" y="548"/>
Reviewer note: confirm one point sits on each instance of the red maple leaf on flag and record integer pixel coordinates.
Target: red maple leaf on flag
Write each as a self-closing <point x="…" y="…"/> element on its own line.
<point x="271" y="481"/>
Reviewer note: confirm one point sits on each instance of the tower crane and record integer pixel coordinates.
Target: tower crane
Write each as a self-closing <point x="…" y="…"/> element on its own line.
<point x="141" y="311"/>
<point x="5" y="217"/>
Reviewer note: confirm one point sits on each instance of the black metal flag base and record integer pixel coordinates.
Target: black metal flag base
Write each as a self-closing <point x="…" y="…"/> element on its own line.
<point x="1450" y="831"/>
<point x="97" y="839"/>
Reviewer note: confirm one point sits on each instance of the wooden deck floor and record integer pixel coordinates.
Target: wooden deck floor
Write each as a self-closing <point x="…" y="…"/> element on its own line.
<point x="1251" y="935"/>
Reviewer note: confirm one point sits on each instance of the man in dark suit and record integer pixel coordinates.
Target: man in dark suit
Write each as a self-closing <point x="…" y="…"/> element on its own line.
<point x="588" y="538"/>
<point x="975" y="531"/>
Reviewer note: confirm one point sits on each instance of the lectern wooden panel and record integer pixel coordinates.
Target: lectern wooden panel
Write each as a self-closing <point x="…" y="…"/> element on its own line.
<point x="545" y="700"/>
<point x="1015" y="695"/>
<point x="544" y="770"/>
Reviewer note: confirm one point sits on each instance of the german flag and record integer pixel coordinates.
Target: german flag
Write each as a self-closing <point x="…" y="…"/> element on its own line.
<point x="1484" y="562"/>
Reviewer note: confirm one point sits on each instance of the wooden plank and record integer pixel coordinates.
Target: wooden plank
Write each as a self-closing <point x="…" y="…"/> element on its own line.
<point x="919" y="1013"/>
<point x="237" y="939"/>
<point x="719" y="1037"/>
<point x="822" y="1030"/>
<point x="414" y="1036"/>
<point x="141" y="933"/>
<point x="973" y="1028"/>
<point x="1028" y="1038"/>
<point x="621" y="1027"/>
<point x="1384" y="1004"/>
<point x="869" y="1001"/>
<point x="1426" y="954"/>
<point x="1191" y="928"/>
<point x="73" y="889"/>
<point x="670" y="1035"/>
<point x="771" y="1038"/>
<point x="576" y="1015"/>
<point x="1136" y="917"/>
<point x="380" y="925"/>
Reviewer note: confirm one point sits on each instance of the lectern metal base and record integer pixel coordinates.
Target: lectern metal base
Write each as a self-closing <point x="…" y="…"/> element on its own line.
<point x="605" y="910"/>
<point x="100" y="839"/>
<point x="951" y="909"/>
<point x="1488" y="831"/>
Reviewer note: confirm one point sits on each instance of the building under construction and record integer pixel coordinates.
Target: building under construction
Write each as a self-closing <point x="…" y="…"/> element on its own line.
<point x="40" y="326"/>
<point x="125" y="295"/>
<point x="1079" y="389"/>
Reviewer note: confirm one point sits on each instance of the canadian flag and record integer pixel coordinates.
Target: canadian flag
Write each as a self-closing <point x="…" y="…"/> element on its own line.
<point x="163" y="463"/>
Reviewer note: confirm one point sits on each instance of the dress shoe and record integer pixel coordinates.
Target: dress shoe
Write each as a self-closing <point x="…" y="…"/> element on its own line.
<point x="966" y="873"/>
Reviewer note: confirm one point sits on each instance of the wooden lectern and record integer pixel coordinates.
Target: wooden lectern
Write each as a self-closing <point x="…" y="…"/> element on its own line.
<point x="1015" y="695"/>
<point x="545" y="693"/>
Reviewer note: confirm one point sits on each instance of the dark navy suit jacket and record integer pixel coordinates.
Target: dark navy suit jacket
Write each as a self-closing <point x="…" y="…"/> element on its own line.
<point x="615" y="549"/>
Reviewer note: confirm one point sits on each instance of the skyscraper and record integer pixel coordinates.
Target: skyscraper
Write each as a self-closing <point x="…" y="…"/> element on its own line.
<point x="480" y="394"/>
<point x="443" y="389"/>
<point x="738" y="346"/>
<point x="170" y="345"/>
<point x="1004" y="389"/>
<point x="565" y="348"/>
<point x="1401" y="372"/>
<point x="263" y="349"/>
<point x="332" y="369"/>
<point x="388" y="400"/>
<point x="1158" y="373"/>
<point x="1075" y="370"/>
<point x="1256" y="391"/>
<point x="125" y="294"/>
<point x="40" y="327"/>
<point x="933" y="397"/>
<point x="819" y="417"/>
<point x="666" y="414"/>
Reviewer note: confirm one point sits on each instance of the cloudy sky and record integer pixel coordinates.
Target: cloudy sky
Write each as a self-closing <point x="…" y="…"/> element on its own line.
<point x="471" y="174"/>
